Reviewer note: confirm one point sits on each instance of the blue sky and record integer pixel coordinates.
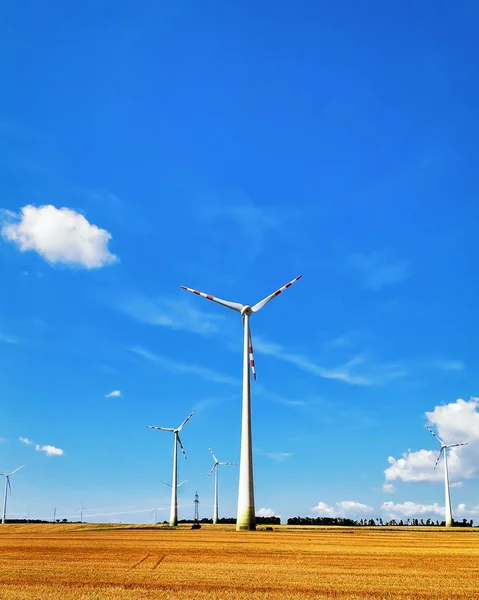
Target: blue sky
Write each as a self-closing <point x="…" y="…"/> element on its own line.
<point x="229" y="148"/>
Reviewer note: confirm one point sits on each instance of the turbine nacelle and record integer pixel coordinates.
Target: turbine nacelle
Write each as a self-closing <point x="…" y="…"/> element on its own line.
<point x="246" y="310"/>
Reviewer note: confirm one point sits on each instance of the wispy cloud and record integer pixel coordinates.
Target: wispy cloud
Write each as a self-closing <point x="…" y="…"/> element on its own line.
<point x="274" y="397"/>
<point x="279" y="456"/>
<point x="177" y="314"/>
<point x="8" y="339"/>
<point x="376" y="270"/>
<point x="376" y="374"/>
<point x="448" y="365"/>
<point x="113" y="394"/>
<point x="47" y="449"/>
<point x="252" y="221"/>
<point x="180" y="367"/>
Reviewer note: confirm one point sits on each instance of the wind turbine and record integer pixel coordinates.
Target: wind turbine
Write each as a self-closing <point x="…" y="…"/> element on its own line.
<point x="245" y="519"/>
<point x="81" y="509"/>
<point x="8" y="487"/>
<point x="174" y="485"/>
<point x="215" y="468"/>
<point x="445" y="447"/>
<point x="155" y="510"/>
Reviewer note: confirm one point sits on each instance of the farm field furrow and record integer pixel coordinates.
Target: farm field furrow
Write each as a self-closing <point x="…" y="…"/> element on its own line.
<point x="88" y="562"/>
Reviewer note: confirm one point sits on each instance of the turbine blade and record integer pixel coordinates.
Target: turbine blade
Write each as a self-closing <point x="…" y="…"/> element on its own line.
<point x="182" y="483"/>
<point x="9" y="485"/>
<point x="260" y="304"/>
<point x="181" y="445"/>
<point x="436" y="436"/>
<point x="152" y="511"/>
<point x="233" y="305"/>
<point x="213" y="455"/>
<point x="165" y="483"/>
<point x="18" y="469"/>
<point x="231" y="464"/>
<point x="454" y="445"/>
<point x="439" y="457"/>
<point x="160" y="428"/>
<point x="212" y="469"/>
<point x="251" y="356"/>
<point x="186" y="420"/>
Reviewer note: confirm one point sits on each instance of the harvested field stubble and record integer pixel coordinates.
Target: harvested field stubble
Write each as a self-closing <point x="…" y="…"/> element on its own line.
<point x="88" y="562"/>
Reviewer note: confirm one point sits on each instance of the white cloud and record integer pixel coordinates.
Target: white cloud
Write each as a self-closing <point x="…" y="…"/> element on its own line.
<point x="266" y="512"/>
<point x="113" y="394"/>
<point x="457" y="422"/>
<point x="463" y="511"/>
<point x="410" y="509"/>
<point x="376" y="270"/>
<point x="458" y="484"/>
<point x="60" y="235"/>
<point x="346" y="508"/>
<point x="178" y="367"/>
<point x="388" y="488"/>
<point x="49" y="450"/>
<point x="46" y="448"/>
<point x="175" y="314"/>
<point x="2" y="440"/>
<point x="279" y="456"/>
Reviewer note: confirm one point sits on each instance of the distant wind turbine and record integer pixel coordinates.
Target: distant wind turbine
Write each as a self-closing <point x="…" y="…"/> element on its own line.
<point x="245" y="519"/>
<point x="174" y="484"/>
<point x="8" y="488"/>
<point x="155" y="510"/>
<point x="215" y="468"/>
<point x="445" y="447"/>
<point x="81" y="509"/>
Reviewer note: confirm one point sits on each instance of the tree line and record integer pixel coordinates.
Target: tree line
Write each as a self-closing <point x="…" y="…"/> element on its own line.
<point x="344" y="522"/>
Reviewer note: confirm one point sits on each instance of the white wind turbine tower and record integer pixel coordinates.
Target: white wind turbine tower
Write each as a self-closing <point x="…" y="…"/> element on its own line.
<point x="8" y="488"/>
<point x="174" y="485"/>
<point x="215" y="468"/>
<point x="245" y="519"/>
<point x="445" y="447"/>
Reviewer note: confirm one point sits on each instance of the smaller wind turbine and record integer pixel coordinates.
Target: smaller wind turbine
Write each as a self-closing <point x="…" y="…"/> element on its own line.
<point x="8" y="488"/>
<point x="215" y="469"/>
<point x="81" y="509"/>
<point x="174" y="485"/>
<point x="444" y="448"/>
<point x="155" y="510"/>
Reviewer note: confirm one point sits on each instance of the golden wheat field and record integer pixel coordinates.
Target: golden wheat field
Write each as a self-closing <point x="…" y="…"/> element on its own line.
<point x="95" y="562"/>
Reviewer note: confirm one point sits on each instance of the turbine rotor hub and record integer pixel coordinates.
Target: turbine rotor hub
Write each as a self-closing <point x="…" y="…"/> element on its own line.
<point x="246" y="310"/>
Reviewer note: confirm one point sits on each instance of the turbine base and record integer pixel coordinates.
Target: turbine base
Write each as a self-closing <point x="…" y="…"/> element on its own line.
<point x="246" y="520"/>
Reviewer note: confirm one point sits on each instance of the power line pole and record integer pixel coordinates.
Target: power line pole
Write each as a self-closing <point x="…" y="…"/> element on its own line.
<point x="54" y="515"/>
